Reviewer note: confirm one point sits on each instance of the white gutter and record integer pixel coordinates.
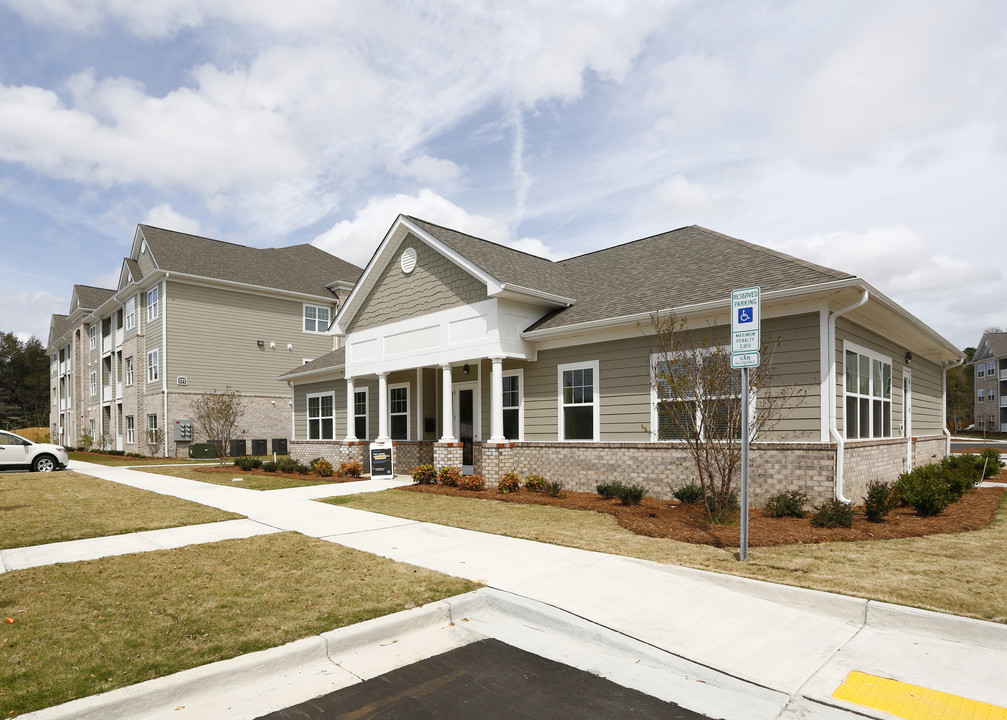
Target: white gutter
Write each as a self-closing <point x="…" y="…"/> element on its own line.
<point x="944" y="400"/>
<point x="164" y="347"/>
<point x="833" y="430"/>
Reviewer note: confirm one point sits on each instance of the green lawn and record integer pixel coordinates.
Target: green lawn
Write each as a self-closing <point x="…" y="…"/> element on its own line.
<point x="39" y="508"/>
<point x="122" y="460"/>
<point x="89" y="627"/>
<point x="249" y="481"/>
<point x="963" y="573"/>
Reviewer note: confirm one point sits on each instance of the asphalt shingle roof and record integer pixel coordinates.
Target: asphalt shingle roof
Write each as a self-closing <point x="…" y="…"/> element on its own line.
<point x="328" y="361"/>
<point x="297" y="268"/>
<point x="92" y="297"/>
<point x="997" y="343"/>
<point x="682" y="267"/>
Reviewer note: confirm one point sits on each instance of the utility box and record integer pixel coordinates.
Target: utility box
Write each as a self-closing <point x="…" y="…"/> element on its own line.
<point x="259" y="446"/>
<point x="183" y="431"/>
<point x="280" y="446"/>
<point x="237" y="448"/>
<point x="202" y="451"/>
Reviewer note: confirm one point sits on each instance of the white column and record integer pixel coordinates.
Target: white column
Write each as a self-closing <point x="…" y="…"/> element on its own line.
<point x="382" y="409"/>
<point x="350" y="411"/>
<point x="496" y="401"/>
<point x="447" y="414"/>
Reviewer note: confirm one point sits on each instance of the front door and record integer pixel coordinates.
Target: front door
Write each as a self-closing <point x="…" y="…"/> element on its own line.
<point x="465" y="415"/>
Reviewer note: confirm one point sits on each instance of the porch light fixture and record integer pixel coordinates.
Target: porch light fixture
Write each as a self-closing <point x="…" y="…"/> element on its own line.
<point x="260" y="343"/>
<point x="465" y="368"/>
<point x="909" y="357"/>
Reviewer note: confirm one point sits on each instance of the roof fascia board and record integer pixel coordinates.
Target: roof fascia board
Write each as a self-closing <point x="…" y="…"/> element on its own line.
<point x="337" y="372"/>
<point x="246" y="287"/>
<point x="518" y="292"/>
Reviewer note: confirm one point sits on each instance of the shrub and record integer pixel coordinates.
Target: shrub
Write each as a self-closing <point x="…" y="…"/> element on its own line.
<point x="690" y="493"/>
<point x="880" y="500"/>
<point x="247" y="463"/>
<point x="269" y="466"/>
<point x="789" y="503"/>
<point x="449" y="476"/>
<point x="554" y="488"/>
<point x="425" y="474"/>
<point x="962" y="472"/>
<point x="536" y="483"/>
<point x="472" y="482"/>
<point x="608" y="490"/>
<point x="509" y="483"/>
<point x="289" y="465"/>
<point x="314" y="464"/>
<point x="631" y="494"/>
<point x="925" y="489"/>
<point x="991" y="461"/>
<point x="354" y="468"/>
<point x="833" y="514"/>
<point x="324" y="468"/>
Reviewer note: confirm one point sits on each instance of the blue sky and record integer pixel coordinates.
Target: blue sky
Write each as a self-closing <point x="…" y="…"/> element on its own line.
<point x="866" y="136"/>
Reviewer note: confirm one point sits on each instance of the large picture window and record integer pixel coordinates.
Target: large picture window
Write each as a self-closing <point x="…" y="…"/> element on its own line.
<point x="398" y="411"/>
<point x="868" y="408"/>
<point x="578" y="401"/>
<point x="360" y="419"/>
<point x="512" y="426"/>
<point x="692" y="396"/>
<point x="316" y="318"/>
<point x="321" y="416"/>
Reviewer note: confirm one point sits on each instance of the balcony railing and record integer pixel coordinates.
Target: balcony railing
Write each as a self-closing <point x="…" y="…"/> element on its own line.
<point x="118" y="338"/>
<point x="106" y="343"/>
<point x="118" y="391"/>
<point x="1003" y="374"/>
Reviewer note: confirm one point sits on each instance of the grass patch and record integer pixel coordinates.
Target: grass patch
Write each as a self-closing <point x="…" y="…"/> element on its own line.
<point x="122" y="460"/>
<point x="89" y="627"/>
<point x="40" y="508"/>
<point x="249" y="481"/>
<point x="955" y="573"/>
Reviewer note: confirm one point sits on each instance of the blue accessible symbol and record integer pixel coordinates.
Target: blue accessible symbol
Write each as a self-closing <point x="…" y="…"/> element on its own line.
<point x="745" y="315"/>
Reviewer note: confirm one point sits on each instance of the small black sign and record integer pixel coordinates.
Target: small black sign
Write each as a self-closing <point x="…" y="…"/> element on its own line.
<point x="381" y="462"/>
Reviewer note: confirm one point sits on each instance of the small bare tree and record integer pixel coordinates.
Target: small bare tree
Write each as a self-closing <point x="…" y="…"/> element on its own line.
<point x="217" y="416"/>
<point x="155" y="441"/>
<point x="699" y="404"/>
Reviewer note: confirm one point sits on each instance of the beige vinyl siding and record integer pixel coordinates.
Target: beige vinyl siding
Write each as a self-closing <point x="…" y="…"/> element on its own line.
<point x="301" y="393"/>
<point x="153" y="336"/>
<point x="146" y="263"/>
<point x="927" y="397"/>
<point x="213" y="334"/>
<point x="435" y="284"/>
<point x="794" y="343"/>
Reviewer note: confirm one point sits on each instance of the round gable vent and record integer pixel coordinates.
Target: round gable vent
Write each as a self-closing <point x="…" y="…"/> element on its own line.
<point x="408" y="260"/>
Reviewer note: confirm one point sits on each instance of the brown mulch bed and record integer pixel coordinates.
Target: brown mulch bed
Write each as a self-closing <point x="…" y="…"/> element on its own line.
<point x="664" y="519"/>
<point x="235" y="470"/>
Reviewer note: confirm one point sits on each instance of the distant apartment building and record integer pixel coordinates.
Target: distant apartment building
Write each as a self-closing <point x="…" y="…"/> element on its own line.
<point x="190" y="315"/>
<point x="990" y="364"/>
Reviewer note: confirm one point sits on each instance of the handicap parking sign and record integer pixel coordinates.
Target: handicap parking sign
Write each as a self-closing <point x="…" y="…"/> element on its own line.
<point x="745" y="315"/>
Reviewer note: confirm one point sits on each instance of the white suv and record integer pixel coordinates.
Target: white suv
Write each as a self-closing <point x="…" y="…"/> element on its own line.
<point x="19" y="452"/>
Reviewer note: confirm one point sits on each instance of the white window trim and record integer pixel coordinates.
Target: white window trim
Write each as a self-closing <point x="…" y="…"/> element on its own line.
<point x="153" y="366"/>
<point x="408" y="412"/>
<point x="308" y="418"/>
<point x="596" y="395"/>
<point x="519" y="373"/>
<point x="92" y="336"/>
<point x="152" y="307"/>
<point x="655" y="400"/>
<point x="129" y="316"/>
<point x="980" y="394"/>
<point x="129" y="370"/>
<point x="367" y="412"/>
<point x="873" y="355"/>
<point x="130" y="430"/>
<point x="304" y="310"/>
<point x="93" y="383"/>
<point x="151" y="426"/>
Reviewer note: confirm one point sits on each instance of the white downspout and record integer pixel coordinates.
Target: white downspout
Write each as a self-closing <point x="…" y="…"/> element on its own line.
<point x="944" y="401"/>
<point x="833" y="430"/>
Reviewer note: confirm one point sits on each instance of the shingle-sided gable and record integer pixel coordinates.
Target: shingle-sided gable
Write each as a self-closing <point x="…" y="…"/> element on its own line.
<point x="89" y="298"/>
<point x="683" y="267"/>
<point x="298" y="268"/>
<point x="997" y="343"/>
<point x="435" y="283"/>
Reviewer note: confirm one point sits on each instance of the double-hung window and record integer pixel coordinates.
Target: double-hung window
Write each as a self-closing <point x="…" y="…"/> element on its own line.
<point x="152" y="428"/>
<point x="94" y="382"/>
<point x="360" y="420"/>
<point x="696" y="395"/>
<point x="868" y="405"/>
<point x="991" y="368"/>
<point x="321" y="416"/>
<point x="92" y="336"/>
<point x="129" y="370"/>
<point x="512" y="425"/>
<point x="130" y="313"/>
<point x="152" y="304"/>
<point x="981" y="370"/>
<point x="130" y="430"/>
<point x="980" y="395"/>
<point x="316" y="318"/>
<point x="398" y="411"/>
<point x="153" y="366"/>
<point x="578" y="401"/>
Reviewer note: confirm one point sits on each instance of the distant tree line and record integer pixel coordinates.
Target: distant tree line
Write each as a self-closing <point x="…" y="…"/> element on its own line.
<point x="24" y="382"/>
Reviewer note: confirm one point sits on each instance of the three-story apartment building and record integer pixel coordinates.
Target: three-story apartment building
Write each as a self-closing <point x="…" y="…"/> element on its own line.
<point x="190" y="315"/>
<point x="990" y="364"/>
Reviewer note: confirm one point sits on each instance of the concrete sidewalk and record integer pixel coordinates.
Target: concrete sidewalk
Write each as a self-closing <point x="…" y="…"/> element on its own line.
<point x="735" y="647"/>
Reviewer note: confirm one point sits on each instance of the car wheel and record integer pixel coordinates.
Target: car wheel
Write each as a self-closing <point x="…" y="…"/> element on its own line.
<point x="43" y="463"/>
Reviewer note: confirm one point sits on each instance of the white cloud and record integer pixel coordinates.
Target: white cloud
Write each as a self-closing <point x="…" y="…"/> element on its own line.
<point x="429" y="170"/>
<point x="34" y="308"/>
<point x="681" y="196"/>
<point x="356" y="240"/>
<point x="163" y="216"/>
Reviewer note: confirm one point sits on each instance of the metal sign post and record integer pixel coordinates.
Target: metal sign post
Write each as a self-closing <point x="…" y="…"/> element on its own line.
<point x="746" y="319"/>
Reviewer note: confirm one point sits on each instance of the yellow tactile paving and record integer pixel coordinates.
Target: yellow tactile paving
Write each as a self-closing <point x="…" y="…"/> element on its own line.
<point x="912" y="701"/>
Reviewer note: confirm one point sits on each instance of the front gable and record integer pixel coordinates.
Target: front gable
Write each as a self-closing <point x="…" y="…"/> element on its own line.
<point x="417" y="280"/>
